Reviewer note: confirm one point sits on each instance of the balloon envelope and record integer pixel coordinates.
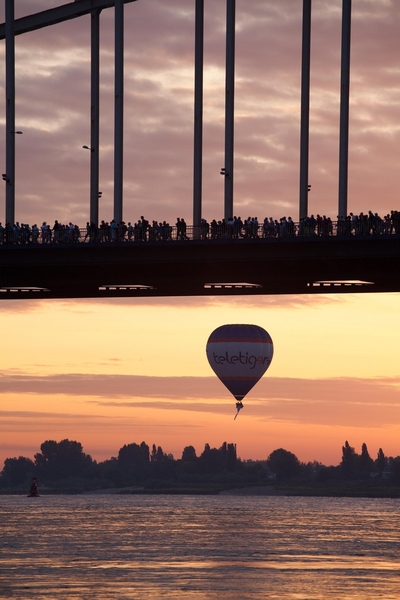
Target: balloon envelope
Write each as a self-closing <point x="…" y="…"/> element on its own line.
<point x="239" y="355"/>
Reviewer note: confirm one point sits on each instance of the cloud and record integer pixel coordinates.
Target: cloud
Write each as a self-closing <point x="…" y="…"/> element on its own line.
<point x="188" y="302"/>
<point x="334" y="401"/>
<point x="329" y="401"/>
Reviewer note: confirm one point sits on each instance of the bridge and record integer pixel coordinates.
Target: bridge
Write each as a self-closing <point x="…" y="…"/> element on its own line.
<point x="196" y="267"/>
<point x="188" y="267"/>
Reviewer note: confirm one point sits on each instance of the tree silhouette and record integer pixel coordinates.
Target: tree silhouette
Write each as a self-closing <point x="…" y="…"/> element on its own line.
<point x="228" y="456"/>
<point x="381" y="461"/>
<point x="395" y="468"/>
<point x="17" y="471"/>
<point x="59" y="460"/>
<point x="284" y="464"/>
<point x="157" y="454"/>
<point x="366" y="462"/>
<point x="189" y="454"/>
<point x="133" y="458"/>
<point x="213" y="460"/>
<point x="349" y="461"/>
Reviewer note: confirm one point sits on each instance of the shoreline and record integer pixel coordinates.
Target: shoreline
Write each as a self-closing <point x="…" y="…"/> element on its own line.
<point x="349" y="491"/>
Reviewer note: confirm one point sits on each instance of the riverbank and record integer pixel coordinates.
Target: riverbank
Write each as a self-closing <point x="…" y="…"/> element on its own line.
<point x="327" y="489"/>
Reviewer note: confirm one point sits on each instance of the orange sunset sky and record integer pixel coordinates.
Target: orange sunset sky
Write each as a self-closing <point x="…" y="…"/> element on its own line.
<point x="111" y="372"/>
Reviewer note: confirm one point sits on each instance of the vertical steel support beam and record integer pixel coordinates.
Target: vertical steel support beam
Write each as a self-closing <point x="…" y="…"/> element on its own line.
<point x="229" y="106"/>
<point x="198" y="117"/>
<point x="119" y="110"/>
<point x="344" y="108"/>
<point x="305" y="109"/>
<point x="10" y="112"/>
<point x="94" y="116"/>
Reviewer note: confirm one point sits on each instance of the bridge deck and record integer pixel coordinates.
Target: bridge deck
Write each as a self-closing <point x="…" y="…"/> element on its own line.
<point x="198" y="268"/>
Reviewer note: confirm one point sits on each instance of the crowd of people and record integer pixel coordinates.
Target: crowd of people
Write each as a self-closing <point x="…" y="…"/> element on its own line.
<point x="363" y="224"/>
<point x="235" y="228"/>
<point x="111" y="231"/>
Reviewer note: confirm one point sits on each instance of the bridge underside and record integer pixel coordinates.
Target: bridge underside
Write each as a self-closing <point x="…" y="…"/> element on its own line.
<point x="198" y="268"/>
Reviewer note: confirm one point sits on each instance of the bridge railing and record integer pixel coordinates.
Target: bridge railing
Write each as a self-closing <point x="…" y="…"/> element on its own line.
<point x="305" y="229"/>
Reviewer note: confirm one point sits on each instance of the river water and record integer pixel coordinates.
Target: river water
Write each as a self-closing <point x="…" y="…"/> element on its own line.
<point x="117" y="547"/>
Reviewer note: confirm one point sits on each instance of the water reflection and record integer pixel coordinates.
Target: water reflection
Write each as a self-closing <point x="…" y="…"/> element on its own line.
<point x="187" y="548"/>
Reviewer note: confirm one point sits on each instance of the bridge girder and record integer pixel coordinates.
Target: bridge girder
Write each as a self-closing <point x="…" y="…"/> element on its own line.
<point x="52" y="16"/>
<point x="201" y="268"/>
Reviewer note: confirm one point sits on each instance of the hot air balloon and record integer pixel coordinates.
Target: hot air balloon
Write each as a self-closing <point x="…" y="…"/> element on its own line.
<point x="239" y="355"/>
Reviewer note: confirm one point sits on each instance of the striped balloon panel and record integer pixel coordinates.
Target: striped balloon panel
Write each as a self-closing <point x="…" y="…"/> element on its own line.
<point x="239" y="355"/>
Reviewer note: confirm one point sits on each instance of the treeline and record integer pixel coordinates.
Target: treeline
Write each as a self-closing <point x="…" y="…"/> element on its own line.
<point x="64" y="465"/>
<point x="362" y="467"/>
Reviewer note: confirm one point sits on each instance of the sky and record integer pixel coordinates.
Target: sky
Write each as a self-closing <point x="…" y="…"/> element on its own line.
<point x="112" y="372"/>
